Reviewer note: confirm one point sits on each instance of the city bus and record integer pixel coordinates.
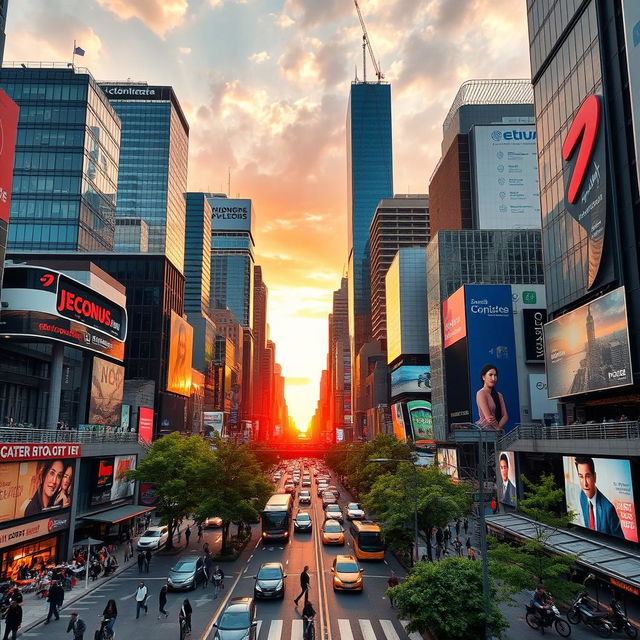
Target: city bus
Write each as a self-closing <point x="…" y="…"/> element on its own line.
<point x="276" y="517"/>
<point x="367" y="540"/>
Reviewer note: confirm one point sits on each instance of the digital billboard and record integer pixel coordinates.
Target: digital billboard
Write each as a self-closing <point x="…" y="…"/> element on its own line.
<point x="397" y="420"/>
<point x="533" y="321"/>
<point x="454" y="325"/>
<point x="506" y="480"/>
<point x="102" y="480"/>
<point x="599" y="491"/>
<point x="506" y="176"/>
<point x="447" y="460"/>
<point x="180" y="351"/>
<point x="107" y="387"/>
<point x="213" y="422"/>
<point x="587" y="349"/>
<point x="631" y="20"/>
<point x="231" y="214"/>
<point x="121" y="486"/>
<point x="421" y="421"/>
<point x="8" y="129"/>
<point x="411" y="379"/>
<point x="145" y="424"/>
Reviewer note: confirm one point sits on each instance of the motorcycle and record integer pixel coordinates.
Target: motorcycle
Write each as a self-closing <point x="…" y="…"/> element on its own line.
<point x="540" y="619"/>
<point x="620" y="622"/>
<point x="583" y="611"/>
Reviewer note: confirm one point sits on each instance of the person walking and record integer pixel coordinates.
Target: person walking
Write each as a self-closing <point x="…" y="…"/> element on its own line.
<point x="147" y="559"/>
<point x="127" y="555"/>
<point x="185" y="614"/>
<point x="109" y="615"/>
<point x="472" y="554"/>
<point x="447" y="536"/>
<point x="12" y="620"/>
<point x="468" y="544"/>
<point x="77" y="625"/>
<point x="141" y="562"/>
<point x="200" y="533"/>
<point x="141" y="594"/>
<point x="438" y="551"/>
<point x="466" y="526"/>
<point x="162" y="602"/>
<point x="187" y="534"/>
<point x="457" y="545"/>
<point x="208" y="571"/>
<point x="218" y="581"/>
<point x="458" y="528"/>
<point x="304" y="585"/>
<point x="55" y="600"/>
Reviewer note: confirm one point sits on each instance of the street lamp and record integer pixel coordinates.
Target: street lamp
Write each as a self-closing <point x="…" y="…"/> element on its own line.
<point x="415" y="501"/>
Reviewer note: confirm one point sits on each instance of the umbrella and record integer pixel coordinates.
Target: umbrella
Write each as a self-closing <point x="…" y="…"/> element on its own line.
<point x="87" y="542"/>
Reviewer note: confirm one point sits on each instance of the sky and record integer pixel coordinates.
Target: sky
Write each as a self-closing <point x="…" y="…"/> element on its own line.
<point x="264" y="85"/>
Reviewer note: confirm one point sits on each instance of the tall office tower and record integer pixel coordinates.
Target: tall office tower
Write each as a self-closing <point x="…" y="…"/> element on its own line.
<point x="401" y="221"/>
<point x="267" y="368"/>
<point x="339" y="367"/>
<point x="487" y="177"/>
<point x="66" y="163"/>
<point x="260" y="409"/>
<point x="153" y="168"/>
<point x="369" y="180"/>
<point x="3" y="21"/>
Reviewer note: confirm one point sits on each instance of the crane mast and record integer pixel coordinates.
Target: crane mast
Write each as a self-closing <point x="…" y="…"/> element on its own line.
<point x="366" y="44"/>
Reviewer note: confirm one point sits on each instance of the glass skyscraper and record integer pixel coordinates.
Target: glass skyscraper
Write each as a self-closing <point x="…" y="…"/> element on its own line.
<point x="66" y="162"/>
<point x="153" y="169"/>
<point x="369" y="180"/>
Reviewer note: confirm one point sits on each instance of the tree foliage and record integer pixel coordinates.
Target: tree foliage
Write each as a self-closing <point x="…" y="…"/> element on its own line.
<point x="445" y="598"/>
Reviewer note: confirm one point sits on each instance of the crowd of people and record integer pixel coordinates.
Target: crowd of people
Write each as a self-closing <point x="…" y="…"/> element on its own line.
<point x="442" y="538"/>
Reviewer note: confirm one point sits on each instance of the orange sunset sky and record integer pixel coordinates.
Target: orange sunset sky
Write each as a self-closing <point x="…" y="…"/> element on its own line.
<point x="264" y="85"/>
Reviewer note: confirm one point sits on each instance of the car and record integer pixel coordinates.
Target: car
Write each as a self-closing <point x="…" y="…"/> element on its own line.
<point x="186" y="573"/>
<point x="355" y="511"/>
<point x="305" y="497"/>
<point x="302" y="522"/>
<point x="328" y="497"/>
<point x="153" y="538"/>
<point x="289" y="488"/>
<point x="295" y="481"/>
<point x="212" y="522"/>
<point x="332" y="532"/>
<point x="306" y="483"/>
<point x="270" y="581"/>
<point x="334" y="489"/>
<point x="237" y="621"/>
<point x="333" y="512"/>
<point x="321" y="489"/>
<point x="347" y="574"/>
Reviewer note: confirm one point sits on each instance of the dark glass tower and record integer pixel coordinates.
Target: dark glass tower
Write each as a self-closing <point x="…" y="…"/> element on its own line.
<point x="66" y="163"/>
<point x="3" y="21"/>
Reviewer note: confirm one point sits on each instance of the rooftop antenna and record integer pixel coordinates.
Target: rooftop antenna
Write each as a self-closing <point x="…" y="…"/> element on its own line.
<point x="366" y="44"/>
<point x="229" y="181"/>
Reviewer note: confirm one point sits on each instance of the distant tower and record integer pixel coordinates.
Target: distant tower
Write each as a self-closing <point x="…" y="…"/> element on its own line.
<point x="593" y="353"/>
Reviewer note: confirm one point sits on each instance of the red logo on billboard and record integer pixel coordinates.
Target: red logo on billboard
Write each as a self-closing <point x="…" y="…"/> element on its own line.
<point x="68" y="301"/>
<point x="50" y="525"/>
<point x="105" y="470"/>
<point x="47" y="279"/>
<point x="583" y="131"/>
<point x="8" y="130"/>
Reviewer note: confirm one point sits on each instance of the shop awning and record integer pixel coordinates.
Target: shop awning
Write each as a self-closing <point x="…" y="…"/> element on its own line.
<point x="118" y="514"/>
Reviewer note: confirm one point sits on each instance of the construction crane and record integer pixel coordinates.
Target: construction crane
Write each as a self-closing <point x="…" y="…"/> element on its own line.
<point x="366" y="44"/>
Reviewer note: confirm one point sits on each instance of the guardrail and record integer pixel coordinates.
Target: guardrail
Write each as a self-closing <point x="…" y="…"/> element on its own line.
<point x="597" y="431"/>
<point x="15" y="434"/>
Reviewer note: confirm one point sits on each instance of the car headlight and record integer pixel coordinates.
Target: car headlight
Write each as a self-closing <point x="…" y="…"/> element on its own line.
<point x="279" y="586"/>
<point x="258" y="587"/>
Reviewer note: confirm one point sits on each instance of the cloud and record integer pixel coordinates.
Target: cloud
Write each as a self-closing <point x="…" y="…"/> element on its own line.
<point x="282" y="20"/>
<point x="260" y="57"/>
<point x="184" y="50"/>
<point x="158" y="15"/>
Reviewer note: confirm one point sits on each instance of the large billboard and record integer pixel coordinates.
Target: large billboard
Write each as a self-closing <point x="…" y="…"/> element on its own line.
<point x="31" y="530"/>
<point x="588" y="349"/>
<point x="599" y="492"/>
<point x="121" y="486"/>
<point x="506" y="480"/>
<point x="231" y="214"/>
<point x="107" y="387"/>
<point x="145" y="424"/>
<point x="421" y="421"/>
<point x="631" y="19"/>
<point x="533" y="321"/>
<point x="101" y="480"/>
<point x="136" y="92"/>
<point x="411" y="379"/>
<point x="213" y="422"/>
<point x="506" y="176"/>
<point x="8" y="130"/>
<point x="447" y="459"/>
<point x="180" y="351"/>
<point x="397" y="420"/>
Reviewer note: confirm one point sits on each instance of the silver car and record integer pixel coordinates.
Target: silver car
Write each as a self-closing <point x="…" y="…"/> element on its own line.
<point x="186" y="573"/>
<point x="238" y="621"/>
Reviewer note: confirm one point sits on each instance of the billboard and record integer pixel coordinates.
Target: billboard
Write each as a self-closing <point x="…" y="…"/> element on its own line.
<point x="599" y="492"/>
<point x="411" y="379"/>
<point x="631" y="19"/>
<point x="107" y="387"/>
<point x="533" y="321"/>
<point x="121" y="487"/>
<point x="14" y="452"/>
<point x="149" y="494"/>
<point x="454" y="325"/>
<point x="32" y="530"/>
<point x="506" y="176"/>
<point x="447" y="460"/>
<point x="506" y="480"/>
<point x="339" y="434"/>
<point x="180" y="351"/>
<point x="145" y="424"/>
<point x="231" y="214"/>
<point x="421" y="421"/>
<point x="136" y="92"/>
<point x="587" y="349"/>
<point x="397" y="420"/>
<point x="102" y="480"/>
<point x="213" y="422"/>
<point x="30" y="488"/>
<point x="8" y="130"/>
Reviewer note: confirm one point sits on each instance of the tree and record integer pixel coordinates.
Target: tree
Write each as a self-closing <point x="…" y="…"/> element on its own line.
<point x="236" y="488"/>
<point x="394" y="498"/>
<point x="526" y="564"/>
<point x="266" y="456"/>
<point x="445" y="598"/>
<point x="178" y="466"/>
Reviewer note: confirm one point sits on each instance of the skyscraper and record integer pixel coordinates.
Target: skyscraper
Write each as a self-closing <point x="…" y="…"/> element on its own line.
<point x="260" y="383"/>
<point x="66" y="163"/>
<point x="3" y="21"/>
<point x="153" y="169"/>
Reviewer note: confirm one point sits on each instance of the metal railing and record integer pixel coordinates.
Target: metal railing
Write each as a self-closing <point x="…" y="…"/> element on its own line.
<point x="629" y="430"/>
<point x="15" y="434"/>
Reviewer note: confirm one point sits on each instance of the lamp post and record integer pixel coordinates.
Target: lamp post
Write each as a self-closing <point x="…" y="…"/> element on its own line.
<point x="414" y="556"/>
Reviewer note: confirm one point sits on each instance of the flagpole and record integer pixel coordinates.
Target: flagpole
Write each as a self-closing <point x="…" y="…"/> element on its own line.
<point x="73" y="55"/>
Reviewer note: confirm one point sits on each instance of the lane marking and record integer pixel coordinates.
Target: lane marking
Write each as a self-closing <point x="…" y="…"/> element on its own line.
<point x="296" y="630"/>
<point x="258" y="627"/>
<point x="325" y="624"/>
<point x="275" y="630"/>
<point x="414" y="635"/>
<point x="367" y="630"/>
<point x="345" y="629"/>
<point x="389" y="630"/>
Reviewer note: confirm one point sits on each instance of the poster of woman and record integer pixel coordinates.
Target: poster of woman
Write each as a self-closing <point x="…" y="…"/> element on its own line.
<point x="490" y="403"/>
<point x="44" y="486"/>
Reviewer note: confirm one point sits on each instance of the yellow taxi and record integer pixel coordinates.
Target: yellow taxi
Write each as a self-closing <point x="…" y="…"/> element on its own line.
<point x="332" y="532"/>
<point x="347" y="574"/>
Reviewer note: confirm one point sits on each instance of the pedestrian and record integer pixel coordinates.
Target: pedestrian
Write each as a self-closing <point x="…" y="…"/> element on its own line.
<point x="55" y="600"/>
<point x="141" y="562"/>
<point x="466" y="526"/>
<point x="304" y="585"/>
<point x="208" y="571"/>
<point x="185" y="614"/>
<point x="218" y="581"/>
<point x="457" y="545"/>
<point x="162" y="602"/>
<point x="109" y="615"/>
<point x="187" y="534"/>
<point x="447" y="535"/>
<point x="200" y="533"/>
<point x="77" y="625"/>
<point x="148" y="520"/>
<point x="129" y="544"/>
<point x="472" y="554"/>
<point x="141" y="594"/>
<point x="12" y="620"/>
<point x="439" y="536"/>
<point x="147" y="559"/>
<point x="458" y="528"/>
<point x="468" y="544"/>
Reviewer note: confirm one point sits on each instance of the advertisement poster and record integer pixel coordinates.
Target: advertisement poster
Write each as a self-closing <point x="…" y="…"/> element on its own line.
<point x="148" y="494"/>
<point x="506" y="482"/>
<point x="397" y="420"/>
<point x="421" y="421"/>
<point x="29" y="488"/>
<point x="213" y="422"/>
<point x="588" y="349"/>
<point x="448" y="461"/>
<point x="411" y="379"/>
<point x="631" y="19"/>
<point x="533" y="325"/>
<point x="102" y="481"/>
<point x="121" y="487"/>
<point x="125" y="417"/>
<point x="31" y="530"/>
<point x="339" y="435"/>
<point x="231" y="214"/>
<point x="506" y="172"/>
<point x="180" y="348"/>
<point x="145" y="424"/>
<point x="600" y="493"/>
<point x="107" y="387"/>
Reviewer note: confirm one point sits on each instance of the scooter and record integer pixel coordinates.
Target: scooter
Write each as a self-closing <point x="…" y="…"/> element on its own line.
<point x="583" y="611"/>
<point x="549" y="617"/>
<point x="620" y="622"/>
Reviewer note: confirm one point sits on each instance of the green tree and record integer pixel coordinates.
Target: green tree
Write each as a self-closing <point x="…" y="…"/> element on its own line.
<point x="266" y="456"/>
<point x="524" y="565"/>
<point x="445" y="598"/>
<point x="178" y="466"/>
<point x="236" y="488"/>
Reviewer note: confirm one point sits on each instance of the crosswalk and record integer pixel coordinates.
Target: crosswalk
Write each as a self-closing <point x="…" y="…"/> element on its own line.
<point x="362" y="629"/>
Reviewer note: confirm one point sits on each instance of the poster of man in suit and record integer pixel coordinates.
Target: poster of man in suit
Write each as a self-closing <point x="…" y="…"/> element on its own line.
<point x="506" y="481"/>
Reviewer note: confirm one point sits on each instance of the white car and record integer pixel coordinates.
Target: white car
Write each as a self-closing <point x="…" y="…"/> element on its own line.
<point x="153" y="538"/>
<point x="305" y="497"/>
<point x="355" y="511"/>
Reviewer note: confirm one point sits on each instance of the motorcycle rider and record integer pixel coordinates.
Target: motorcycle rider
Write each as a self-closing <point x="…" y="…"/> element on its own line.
<point x="542" y="602"/>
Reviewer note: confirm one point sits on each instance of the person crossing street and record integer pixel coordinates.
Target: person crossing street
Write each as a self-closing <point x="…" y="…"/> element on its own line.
<point x="141" y="595"/>
<point x="55" y="600"/>
<point x="304" y="585"/>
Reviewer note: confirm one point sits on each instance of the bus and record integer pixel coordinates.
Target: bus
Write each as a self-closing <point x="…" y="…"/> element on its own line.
<point x="276" y="517"/>
<point x="367" y="540"/>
